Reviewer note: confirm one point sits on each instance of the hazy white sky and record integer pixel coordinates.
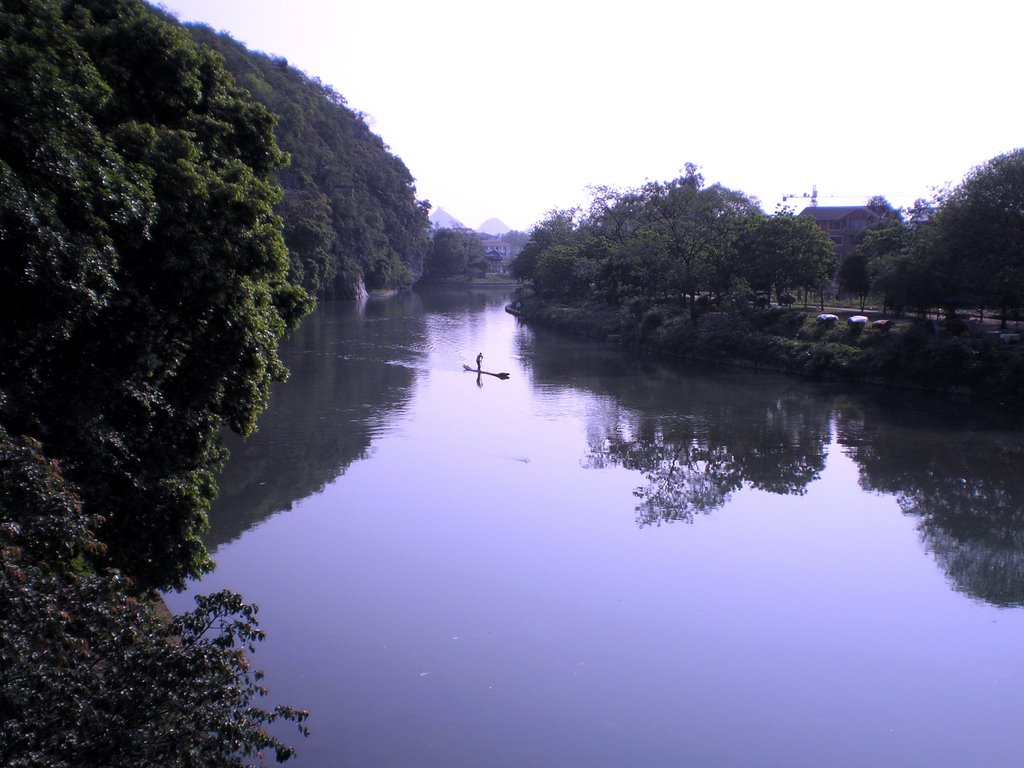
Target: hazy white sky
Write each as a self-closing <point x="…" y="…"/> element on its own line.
<point x="511" y="109"/>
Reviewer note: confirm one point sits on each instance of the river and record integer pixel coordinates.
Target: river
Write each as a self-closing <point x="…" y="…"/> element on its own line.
<point x="614" y="560"/>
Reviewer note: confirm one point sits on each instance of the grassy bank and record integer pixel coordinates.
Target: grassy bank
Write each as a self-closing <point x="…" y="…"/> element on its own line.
<point x="911" y="353"/>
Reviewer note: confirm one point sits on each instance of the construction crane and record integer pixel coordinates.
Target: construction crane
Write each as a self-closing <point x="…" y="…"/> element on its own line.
<point x="813" y="196"/>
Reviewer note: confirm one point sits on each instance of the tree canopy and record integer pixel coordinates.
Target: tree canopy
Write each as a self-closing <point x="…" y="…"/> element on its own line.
<point x="854" y="277"/>
<point x="91" y="676"/>
<point x="451" y="253"/>
<point x="144" y="286"/>
<point x="143" y="290"/>
<point x="677" y="241"/>
<point x="786" y="253"/>
<point x="683" y="242"/>
<point x="980" y="229"/>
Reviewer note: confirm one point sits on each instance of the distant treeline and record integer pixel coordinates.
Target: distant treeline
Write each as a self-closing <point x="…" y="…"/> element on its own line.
<point x="351" y="217"/>
<point x="713" y="247"/>
<point x="692" y="270"/>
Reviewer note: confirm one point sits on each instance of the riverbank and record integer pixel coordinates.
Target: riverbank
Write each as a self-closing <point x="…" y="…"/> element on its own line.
<point x="906" y="353"/>
<point x="462" y="281"/>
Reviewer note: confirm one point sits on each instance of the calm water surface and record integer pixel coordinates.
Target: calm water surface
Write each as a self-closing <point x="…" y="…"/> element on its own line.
<point x="612" y="560"/>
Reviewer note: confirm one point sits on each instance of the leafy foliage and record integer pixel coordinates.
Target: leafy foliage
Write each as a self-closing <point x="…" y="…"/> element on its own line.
<point x="309" y="234"/>
<point x="676" y="242"/>
<point x="377" y="233"/>
<point x="981" y="232"/>
<point x="91" y="675"/>
<point x="698" y="227"/>
<point x="558" y="228"/>
<point x="142" y="294"/>
<point x="450" y="254"/>
<point x="144" y="285"/>
<point x="679" y="243"/>
<point x="853" y="277"/>
<point x="784" y="253"/>
<point x="904" y="268"/>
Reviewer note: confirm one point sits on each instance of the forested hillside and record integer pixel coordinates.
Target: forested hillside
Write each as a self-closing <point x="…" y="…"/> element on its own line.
<point x="351" y="215"/>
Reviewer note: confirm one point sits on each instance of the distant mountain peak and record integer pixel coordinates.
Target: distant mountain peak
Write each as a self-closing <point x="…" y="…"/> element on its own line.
<point x="494" y="227"/>
<point x="441" y="219"/>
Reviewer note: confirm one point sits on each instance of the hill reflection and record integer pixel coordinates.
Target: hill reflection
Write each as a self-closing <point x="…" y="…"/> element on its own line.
<point x="351" y="364"/>
<point x="352" y="368"/>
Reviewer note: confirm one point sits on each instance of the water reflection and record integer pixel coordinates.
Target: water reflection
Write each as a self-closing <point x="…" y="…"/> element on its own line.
<point x="352" y="370"/>
<point x="693" y="465"/>
<point x="694" y="436"/>
<point x="352" y="367"/>
<point x="699" y="436"/>
<point x="961" y="477"/>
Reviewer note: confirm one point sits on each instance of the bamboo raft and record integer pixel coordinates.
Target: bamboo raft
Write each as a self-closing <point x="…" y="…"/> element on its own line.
<point x="474" y="370"/>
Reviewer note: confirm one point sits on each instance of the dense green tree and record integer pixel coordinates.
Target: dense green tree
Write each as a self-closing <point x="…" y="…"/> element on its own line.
<point x="310" y="237"/>
<point x="883" y="209"/>
<point x="558" y="228"/>
<point x="144" y="282"/>
<point x="93" y="677"/>
<point x="981" y="232"/>
<point x="451" y="252"/>
<point x="698" y="227"/>
<point x="854" y="277"/>
<point x="921" y="211"/>
<point x="904" y="268"/>
<point x="891" y="272"/>
<point x="618" y="216"/>
<point x="564" y="272"/>
<point x="685" y="224"/>
<point x="785" y="253"/>
<point x="634" y="271"/>
<point x="143" y="289"/>
<point x="818" y="262"/>
<point x="680" y="241"/>
<point x="634" y="261"/>
<point x="663" y="241"/>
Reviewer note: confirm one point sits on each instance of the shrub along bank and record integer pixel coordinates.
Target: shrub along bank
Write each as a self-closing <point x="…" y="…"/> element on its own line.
<point x="919" y="354"/>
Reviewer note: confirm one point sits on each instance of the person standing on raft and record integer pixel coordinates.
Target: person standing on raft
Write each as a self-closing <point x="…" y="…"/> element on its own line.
<point x="479" y="361"/>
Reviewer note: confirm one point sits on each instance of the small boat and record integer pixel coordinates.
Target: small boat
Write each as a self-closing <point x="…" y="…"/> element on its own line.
<point x="474" y="370"/>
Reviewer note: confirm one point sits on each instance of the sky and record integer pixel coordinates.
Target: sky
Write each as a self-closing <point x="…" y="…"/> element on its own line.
<point x="514" y="109"/>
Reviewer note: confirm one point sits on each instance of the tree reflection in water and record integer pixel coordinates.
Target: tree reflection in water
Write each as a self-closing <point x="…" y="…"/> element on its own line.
<point x="696" y="436"/>
<point x="958" y="471"/>
<point x="682" y="479"/>
<point x="967" y="493"/>
<point x="694" y="471"/>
